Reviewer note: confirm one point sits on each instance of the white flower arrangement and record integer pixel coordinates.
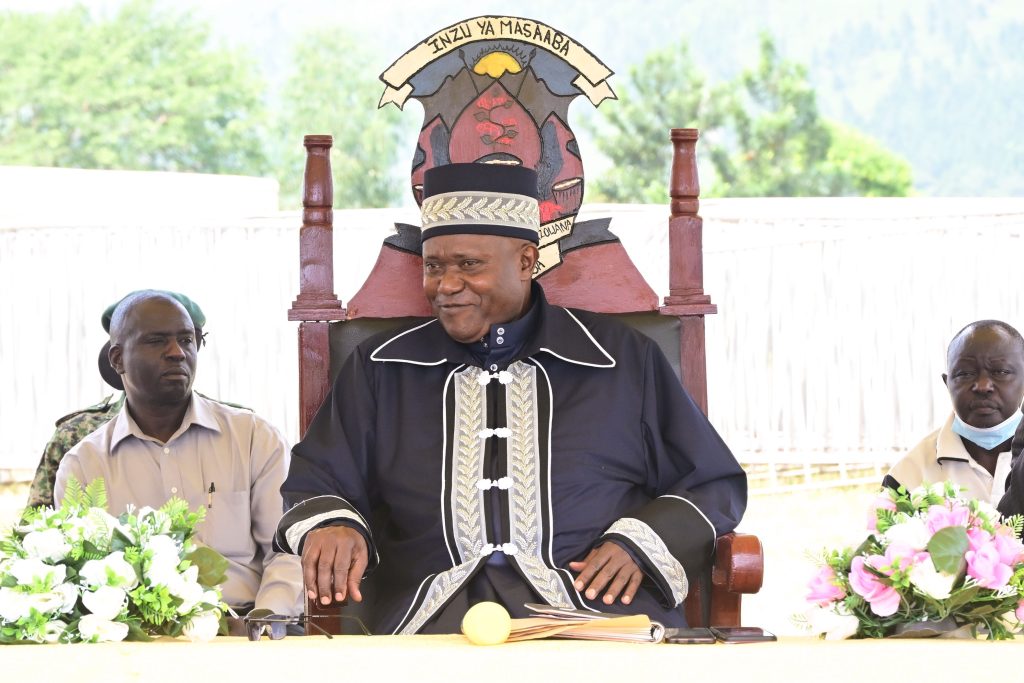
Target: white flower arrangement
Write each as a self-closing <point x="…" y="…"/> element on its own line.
<point x="76" y="573"/>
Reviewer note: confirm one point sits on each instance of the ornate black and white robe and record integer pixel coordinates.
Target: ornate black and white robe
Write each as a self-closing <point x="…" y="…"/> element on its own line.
<point x="451" y="469"/>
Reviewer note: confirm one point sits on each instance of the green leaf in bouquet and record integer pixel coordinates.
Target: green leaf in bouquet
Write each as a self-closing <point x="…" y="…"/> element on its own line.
<point x="961" y="597"/>
<point x="853" y="601"/>
<point x="1017" y="580"/>
<point x="885" y="519"/>
<point x="136" y="632"/>
<point x="839" y="561"/>
<point x="119" y="541"/>
<point x="904" y="501"/>
<point x="222" y="628"/>
<point x="11" y="547"/>
<point x="984" y="610"/>
<point x="174" y="508"/>
<point x="982" y="516"/>
<point x="174" y="628"/>
<point x="1016" y="523"/>
<point x="133" y="556"/>
<point x="868" y="547"/>
<point x="9" y="636"/>
<point x="947" y="548"/>
<point x="183" y="520"/>
<point x="29" y="515"/>
<point x="213" y="567"/>
<point x="154" y="603"/>
<point x="73" y="495"/>
<point x="91" y="552"/>
<point x="96" y="494"/>
<point x="997" y="631"/>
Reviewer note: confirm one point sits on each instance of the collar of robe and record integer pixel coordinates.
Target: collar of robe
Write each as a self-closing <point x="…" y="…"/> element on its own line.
<point x="559" y="332"/>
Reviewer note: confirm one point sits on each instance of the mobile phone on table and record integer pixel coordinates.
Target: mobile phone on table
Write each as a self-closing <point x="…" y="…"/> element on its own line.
<point x="689" y="635"/>
<point x="742" y="634"/>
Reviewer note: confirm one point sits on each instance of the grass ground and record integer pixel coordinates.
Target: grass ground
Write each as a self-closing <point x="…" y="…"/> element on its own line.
<point x="790" y="525"/>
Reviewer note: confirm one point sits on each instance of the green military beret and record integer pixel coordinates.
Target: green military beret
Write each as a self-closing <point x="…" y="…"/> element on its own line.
<point x="196" y="313"/>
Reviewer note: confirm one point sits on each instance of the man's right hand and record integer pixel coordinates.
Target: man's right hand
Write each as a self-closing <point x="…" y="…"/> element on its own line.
<point x="334" y="558"/>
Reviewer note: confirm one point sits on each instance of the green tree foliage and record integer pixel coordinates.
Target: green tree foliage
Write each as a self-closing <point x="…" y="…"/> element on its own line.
<point x="143" y="89"/>
<point x="762" y="134"/>
<point x="667" y="87"/>
<point x="860" y="163"/>
<point x="776" y="143"/>
<point x="333" y="90"/>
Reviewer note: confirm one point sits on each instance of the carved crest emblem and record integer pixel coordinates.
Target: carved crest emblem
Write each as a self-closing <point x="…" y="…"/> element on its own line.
<point x="497" y="90"/>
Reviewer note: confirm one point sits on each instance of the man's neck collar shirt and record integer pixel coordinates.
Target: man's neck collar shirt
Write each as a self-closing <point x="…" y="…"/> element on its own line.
<point x="198" y="414"/>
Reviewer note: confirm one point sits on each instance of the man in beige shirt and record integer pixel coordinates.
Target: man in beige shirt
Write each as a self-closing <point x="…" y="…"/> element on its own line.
<point x="172" y="442"/>
<point x="985" y="379"/>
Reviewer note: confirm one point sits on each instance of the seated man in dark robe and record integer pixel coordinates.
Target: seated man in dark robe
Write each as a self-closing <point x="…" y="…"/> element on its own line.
<point x="508" y="450"/>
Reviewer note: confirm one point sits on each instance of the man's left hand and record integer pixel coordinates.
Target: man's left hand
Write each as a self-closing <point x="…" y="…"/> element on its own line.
<point x="608" y="568"/>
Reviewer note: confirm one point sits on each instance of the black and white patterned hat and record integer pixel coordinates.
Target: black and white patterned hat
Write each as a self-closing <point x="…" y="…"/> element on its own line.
<point x="482" y="199"/>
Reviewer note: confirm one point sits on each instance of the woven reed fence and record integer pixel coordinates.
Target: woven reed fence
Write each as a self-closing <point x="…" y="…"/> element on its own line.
<point x="823" y="361"/>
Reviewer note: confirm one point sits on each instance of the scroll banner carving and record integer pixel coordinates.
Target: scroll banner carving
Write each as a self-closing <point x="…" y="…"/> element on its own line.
<point x="592" y="78"/>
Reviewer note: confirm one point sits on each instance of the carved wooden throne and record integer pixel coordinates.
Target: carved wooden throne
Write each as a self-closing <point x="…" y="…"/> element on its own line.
<point x="595" y="274"/>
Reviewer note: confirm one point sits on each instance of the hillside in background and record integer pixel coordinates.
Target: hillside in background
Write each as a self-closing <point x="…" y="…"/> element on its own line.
<point x="937" y="82"/>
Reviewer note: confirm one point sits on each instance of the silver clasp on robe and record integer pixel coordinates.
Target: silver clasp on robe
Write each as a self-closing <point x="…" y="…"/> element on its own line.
<point x="507" y="548"/>
<point x="500" y="432"/>
<point x="503" y="483"/>
<point x="484" y="378"/>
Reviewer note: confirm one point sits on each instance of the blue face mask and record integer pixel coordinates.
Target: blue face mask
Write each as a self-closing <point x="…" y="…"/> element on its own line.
<point x="987" y="437"/>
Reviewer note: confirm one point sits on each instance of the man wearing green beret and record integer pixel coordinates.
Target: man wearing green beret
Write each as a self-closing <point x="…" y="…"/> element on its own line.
<point x="170" y="442"/>
<point x="76" y="425"/>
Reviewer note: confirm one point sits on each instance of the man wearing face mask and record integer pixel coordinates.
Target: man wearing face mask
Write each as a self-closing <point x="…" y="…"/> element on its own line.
<point x="985" y="378"/>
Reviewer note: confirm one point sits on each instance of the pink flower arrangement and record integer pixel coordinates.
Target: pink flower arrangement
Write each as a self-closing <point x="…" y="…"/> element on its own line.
<point x="881" y="502"/>
<point x="978" y="538"/>
<point x="883" y="598"/>
<point x="947" y="560"/>
<point x="1009" y="547"/>
<point x="992" y="557"/>
<point x="824" y="588"/>
<point x="983" y="566"/>
<point x="942" y="516"/>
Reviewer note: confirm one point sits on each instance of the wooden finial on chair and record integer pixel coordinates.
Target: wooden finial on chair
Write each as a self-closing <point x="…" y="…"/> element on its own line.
<point x="684" y="187"/>
<point x="686" y="297"/>
<point x="686" y="258"/>
<point x="316" y="299"/>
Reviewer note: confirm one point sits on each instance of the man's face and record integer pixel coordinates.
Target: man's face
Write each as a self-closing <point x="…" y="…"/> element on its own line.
<point x="475" y="281"/>
<point x="157" y="354"/>
<point x="985" y="377"/>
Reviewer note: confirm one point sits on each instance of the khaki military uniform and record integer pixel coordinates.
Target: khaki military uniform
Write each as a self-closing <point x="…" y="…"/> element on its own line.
<point x="71" y="429"/>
